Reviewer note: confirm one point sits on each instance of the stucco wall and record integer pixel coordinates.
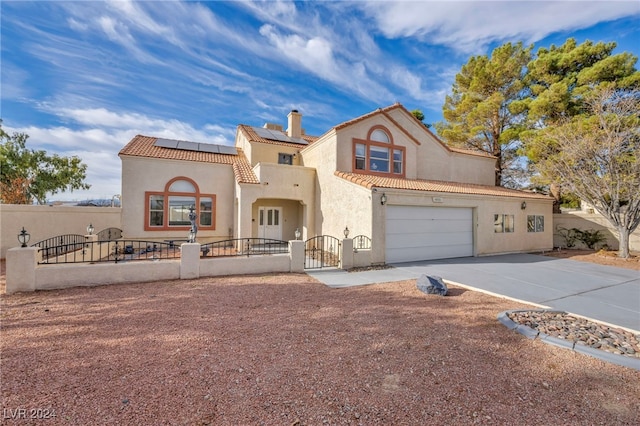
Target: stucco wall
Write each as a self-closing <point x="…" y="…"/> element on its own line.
<point x="24" y="274"/>
<point x="243" y="265"/>
<point x="590" y="221"/>
<point x="428" y="160"/>
<point x="142" y="174"/>
<point x="290" y="187"/>
<point x="44" y="222"/>
<point x="486" y="241"/>
<point x="268" y="153"/>
<point x="339" y="203"/>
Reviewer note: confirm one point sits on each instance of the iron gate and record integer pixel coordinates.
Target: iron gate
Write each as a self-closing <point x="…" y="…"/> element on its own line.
<point x="322" y="251"/>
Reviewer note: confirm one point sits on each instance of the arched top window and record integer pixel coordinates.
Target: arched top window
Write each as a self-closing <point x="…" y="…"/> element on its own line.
<point x="378" y="155"/>
<point x="379" y="135"/>
<point x="169" y="210"/>
<point x="182" y="185"/>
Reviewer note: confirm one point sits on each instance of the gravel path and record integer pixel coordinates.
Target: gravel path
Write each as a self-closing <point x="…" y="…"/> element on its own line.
<point x="286" y="350"/>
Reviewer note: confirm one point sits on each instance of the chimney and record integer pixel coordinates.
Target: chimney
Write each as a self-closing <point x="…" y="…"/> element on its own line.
<point x="295" y="124"/>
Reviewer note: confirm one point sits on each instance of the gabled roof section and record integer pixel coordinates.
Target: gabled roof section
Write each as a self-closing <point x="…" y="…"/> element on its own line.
<point x="243" y="171"/>
<point x="277" y="137"/>
<point x="397" y="105"/>
<point x="145" y="146"/>
<point x="369" y="181"/>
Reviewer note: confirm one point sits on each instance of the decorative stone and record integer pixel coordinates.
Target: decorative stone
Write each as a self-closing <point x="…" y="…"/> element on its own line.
<point x="431" y="285"/>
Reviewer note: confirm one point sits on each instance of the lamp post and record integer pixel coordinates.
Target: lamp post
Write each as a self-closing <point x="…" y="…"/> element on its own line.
<point x="23" y="237"/>
<point x="90" y="229"/>
<point x="297" y="233"/>
<point x="346" y="232"/>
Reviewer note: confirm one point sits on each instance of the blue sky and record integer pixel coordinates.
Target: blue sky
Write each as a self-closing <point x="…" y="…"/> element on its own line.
<point x="84" y="77"/>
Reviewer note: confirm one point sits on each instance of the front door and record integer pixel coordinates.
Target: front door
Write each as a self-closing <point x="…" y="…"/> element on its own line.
<point x="270" y="222"/>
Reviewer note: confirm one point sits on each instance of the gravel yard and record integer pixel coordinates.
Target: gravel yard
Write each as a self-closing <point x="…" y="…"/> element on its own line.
<point x="286" y="350"/>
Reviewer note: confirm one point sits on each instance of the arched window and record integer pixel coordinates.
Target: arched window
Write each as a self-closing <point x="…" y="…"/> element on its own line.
<point x="377" y="154"/>
<point x="379" y="135"/>
<point x="169" y="210"/>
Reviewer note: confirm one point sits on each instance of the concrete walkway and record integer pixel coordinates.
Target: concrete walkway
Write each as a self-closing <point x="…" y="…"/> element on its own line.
<point x="604" y="293"/>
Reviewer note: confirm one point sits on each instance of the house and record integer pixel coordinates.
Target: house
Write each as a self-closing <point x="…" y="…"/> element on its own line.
<point x="383" y="175"/>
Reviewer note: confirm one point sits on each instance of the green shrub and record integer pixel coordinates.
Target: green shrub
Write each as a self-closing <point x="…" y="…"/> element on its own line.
<point x="569" y="235"/>
<point x="590" y="237"/>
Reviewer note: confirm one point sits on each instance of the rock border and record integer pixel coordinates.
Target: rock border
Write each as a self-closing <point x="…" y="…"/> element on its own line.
<point x="533" y="334"/>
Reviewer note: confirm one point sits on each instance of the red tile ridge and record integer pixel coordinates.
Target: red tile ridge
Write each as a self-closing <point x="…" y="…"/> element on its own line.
<point x="369" y="181"/>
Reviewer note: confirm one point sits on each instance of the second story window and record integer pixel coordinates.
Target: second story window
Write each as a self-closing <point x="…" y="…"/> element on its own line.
<point x="378" y="155"/>
<point x="285" y="158"/>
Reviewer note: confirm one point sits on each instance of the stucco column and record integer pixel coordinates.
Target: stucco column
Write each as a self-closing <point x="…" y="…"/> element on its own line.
<point x="347" y="254"/>
<point x="21" y="269"/>
<point x="190" y="261"/>
<point x="378" y="230"/>
<point x="245" y="204"/>
<point x="296" y="253"/>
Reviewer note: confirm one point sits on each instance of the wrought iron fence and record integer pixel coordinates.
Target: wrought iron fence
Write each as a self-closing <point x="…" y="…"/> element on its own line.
<point x="110" y="234"/>
<point x="361" y="242"/>
<point x="321" y="252"/>
<point x="59" y="245"/>
<point x="111" y="251"/>
<point x="245" y="247"/>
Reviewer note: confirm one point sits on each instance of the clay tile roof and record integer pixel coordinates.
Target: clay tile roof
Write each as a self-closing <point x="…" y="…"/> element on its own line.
<point x="369" y="181"/>
<point x="144" y="146"/>
<point x="251" y="135"/>
<point x="243" y="171"/>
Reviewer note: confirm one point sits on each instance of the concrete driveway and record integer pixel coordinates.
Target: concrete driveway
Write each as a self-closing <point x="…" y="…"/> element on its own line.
<point x="603" y="293"/>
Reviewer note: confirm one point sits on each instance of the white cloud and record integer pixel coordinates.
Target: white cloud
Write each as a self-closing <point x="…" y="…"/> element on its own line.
<point x="102" y="135"/>
<point x="469" y="26"/>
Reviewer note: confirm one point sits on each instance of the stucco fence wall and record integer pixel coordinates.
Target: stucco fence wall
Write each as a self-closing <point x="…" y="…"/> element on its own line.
<point x="44" y="222"/>
<point x="590" y="221"/>
<point x="23" y="272"/>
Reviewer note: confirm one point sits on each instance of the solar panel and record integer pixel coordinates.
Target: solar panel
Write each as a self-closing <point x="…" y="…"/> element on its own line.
<point x="275" y="135"/>
<point x="195" y="146"/>
<point x="263" y="132"/>
<point x="166" y="143"/>
<point x="230" y="150"/>
<point x="188" y="146"/>
<point x="207" y="147"/>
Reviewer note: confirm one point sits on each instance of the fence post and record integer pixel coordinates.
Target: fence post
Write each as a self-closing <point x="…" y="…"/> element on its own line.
<point x="190" y="261"/>
<point x="21" y="269"/>
<point x="296" y="255"/>
<point x="92" y="249"/>
<point x="347" y="254"/>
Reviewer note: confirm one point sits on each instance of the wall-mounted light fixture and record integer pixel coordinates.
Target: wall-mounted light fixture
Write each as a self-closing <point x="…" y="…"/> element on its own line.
<point x="23" y="237"/>
<point x="90" y="229"/>
<point x="346" y="232"/>
<point x="383" y="199"/>
<point x="523" y="205"/>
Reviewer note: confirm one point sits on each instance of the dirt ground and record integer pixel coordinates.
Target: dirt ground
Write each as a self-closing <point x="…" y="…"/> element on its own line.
<point x="609" y="258"/>
<point x="284" y="349"/>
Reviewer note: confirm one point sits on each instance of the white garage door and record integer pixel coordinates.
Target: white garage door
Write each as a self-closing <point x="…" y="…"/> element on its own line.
<point x="423" y="233"/>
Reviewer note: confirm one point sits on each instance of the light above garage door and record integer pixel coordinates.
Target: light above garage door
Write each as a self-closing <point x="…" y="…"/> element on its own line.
<point x="425" y="233"/>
